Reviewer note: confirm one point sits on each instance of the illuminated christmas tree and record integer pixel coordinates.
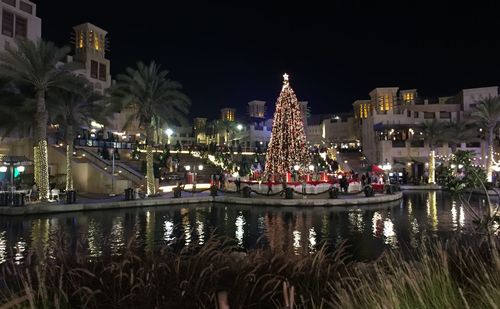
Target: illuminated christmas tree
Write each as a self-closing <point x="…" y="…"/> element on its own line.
<point x="287" y="147"/>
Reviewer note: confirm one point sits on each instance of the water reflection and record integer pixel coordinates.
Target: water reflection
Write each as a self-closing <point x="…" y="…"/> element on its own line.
<point x="368" y="231"/>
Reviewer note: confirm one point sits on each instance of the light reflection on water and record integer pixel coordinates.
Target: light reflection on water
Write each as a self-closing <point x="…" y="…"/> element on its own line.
<point x="368" y="231"/>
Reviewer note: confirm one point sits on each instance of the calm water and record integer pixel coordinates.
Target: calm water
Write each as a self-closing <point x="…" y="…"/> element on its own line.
<point x="368" y="231"/>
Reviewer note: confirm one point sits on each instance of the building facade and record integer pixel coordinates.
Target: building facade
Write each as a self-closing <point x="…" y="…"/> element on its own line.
<point x="19" y="20"/>
<point x="389" y="122"/>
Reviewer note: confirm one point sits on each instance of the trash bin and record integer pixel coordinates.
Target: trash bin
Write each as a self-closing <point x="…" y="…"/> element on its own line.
<point x="368" y="191"/>
<point x="70" y="197"/>
<point x="4" y="199"/>
<point x="246" y="192"/>
<point x="288" y="193"/>
<point x="129" y="194"/>
<point x="19" y="199"/>
<point x="213" y="190"/>
<point x="177" y="192"/>
<point x="333" y="192"/>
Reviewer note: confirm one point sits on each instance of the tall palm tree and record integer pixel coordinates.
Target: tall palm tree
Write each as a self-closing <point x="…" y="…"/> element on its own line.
<point x="73" y="110"/>
<point x="148" y="90"/>
<point x="433" y="134"/>
<point x="458" y="132"/>
<point x="487" y="116"/>
<point x="38" y="66"/>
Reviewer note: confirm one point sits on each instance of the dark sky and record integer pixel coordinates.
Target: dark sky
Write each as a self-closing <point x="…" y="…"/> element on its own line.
<point x="226" y="54"/>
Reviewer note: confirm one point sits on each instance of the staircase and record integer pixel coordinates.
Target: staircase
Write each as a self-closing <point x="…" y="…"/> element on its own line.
<point x="354" y="161"/>
<point x="121" y="168"/>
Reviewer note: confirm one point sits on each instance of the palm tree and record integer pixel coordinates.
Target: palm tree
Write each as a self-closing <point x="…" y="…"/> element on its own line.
<point x="487" y="115"/>
<point x="38" y="66"/>
<point x="72" y="110"/>
<point x="147" y="90"/>
<point x="459" y="132"/>
<point x="433" y="134"/>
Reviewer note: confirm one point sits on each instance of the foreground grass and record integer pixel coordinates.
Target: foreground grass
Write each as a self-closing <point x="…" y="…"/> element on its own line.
<point x="438" y="276"/>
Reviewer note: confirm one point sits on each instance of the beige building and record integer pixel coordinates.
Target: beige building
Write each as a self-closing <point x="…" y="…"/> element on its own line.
<point x="389" y="122"/>
<point x="19" y="20"/>
<point x="90" y="51"/>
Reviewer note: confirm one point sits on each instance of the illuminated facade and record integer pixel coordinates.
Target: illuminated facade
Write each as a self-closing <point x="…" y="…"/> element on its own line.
<point x="227" y="114"/>
<point x="389" y="122"/>
<point x="90" y="44"/>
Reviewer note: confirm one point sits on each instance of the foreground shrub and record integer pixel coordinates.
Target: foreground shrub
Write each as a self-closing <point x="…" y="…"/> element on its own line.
<point x="438" y="276"/>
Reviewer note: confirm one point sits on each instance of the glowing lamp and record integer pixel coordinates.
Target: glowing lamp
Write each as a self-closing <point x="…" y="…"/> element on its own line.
<point x="296" y="168"/>
<point x="169" y="132"/>
<point x="239" y="127"/>
<point x="311" y="167"/>
<point x="200" y="167"/>
<point x="21" y="169"/>
<point x="187" y="167"/>
<point x="3" y="169"/>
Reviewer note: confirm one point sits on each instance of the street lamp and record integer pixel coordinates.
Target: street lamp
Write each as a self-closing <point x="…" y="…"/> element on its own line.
<point x="239" y="127"/>
<point x="296" y="169"/>
<point x="169" y="133"/>
<point x="387" y="167"/>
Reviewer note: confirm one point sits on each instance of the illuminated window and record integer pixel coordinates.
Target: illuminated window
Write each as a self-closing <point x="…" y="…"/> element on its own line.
<point x="408" y="97"/>
<point x="96" y="42"/>
<point x="80" y="39"/>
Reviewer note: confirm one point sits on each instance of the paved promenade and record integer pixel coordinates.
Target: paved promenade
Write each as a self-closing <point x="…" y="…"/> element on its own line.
<point x="118" y="202"/>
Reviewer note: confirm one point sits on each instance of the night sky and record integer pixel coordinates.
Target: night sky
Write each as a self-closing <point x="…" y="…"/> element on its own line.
<point x="226" y="54"/>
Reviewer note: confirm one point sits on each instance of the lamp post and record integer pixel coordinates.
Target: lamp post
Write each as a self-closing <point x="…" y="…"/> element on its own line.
<point x="188" y="168"/>
<point x="296" y="169"/>
<point x="311" y="169"/>
<point x="387" y="167"/>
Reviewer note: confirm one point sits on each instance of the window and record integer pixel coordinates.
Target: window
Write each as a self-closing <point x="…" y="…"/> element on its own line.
<point x="7" y="23"/>
<point x="473" y="145"/>
<point x="26" y="7"/>
<point x="21" y="27"/>
<point x="415" y="114"/>
<point x="429" y="115"/>
<point x="408" y="113"/>
<point x="472" y="105"/>
<point x="445" y="115"/>
<point x="93" y="68"/>
<point x="102" y="71"/>
<point x="10" y="2"/>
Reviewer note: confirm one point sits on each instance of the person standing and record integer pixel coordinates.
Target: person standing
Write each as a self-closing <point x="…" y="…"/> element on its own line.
<point x="269" y="185"/>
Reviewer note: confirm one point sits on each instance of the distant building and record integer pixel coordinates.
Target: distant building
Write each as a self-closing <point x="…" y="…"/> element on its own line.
<point x="90" y="44"/>
<point x="228" y="114"/>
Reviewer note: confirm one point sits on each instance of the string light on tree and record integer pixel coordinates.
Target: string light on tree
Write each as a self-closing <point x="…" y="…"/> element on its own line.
<point x="287" y="146"/>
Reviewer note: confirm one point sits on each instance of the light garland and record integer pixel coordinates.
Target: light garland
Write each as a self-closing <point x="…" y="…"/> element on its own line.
<point x="69" y="171"/>
<point x="287" y="146"/>
<point x="36" y="165"/>
<point x="150" y="178"/>
<point x="43" y="170"/>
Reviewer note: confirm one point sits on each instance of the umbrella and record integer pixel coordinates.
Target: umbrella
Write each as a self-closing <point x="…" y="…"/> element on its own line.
<point x="373" y="168"/>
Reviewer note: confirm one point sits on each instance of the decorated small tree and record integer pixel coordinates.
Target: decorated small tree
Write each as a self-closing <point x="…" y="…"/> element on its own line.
<point x="287" y="147"/>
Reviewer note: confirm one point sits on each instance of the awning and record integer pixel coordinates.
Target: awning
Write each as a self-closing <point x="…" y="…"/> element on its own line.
<point x="14" y="160"/>
<point x="404" y="160"/>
